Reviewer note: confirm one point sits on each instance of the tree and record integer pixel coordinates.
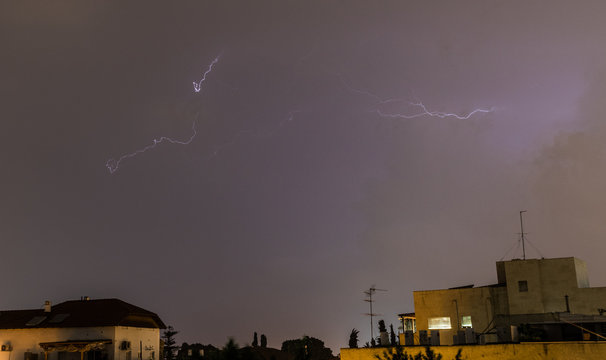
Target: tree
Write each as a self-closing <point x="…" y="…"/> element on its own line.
<point x="459" y="355"/>
<point x="392" y="335"/>
<point x="255" y="343"/>
<point x="307" y="348"/>
<point x="263" y="341"/>
<point x="431" y="355"/>
<point x="169" y="343"/>
<point x="400" y="354"/>
<point x="382" y="327"/>
<point x="230" y="351"/>
<point x="353" y="338"/>
<point x="373" y="343"/>
<point x="183" y="351"/>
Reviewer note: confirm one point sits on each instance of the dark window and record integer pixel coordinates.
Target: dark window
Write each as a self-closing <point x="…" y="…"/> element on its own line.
<point x="523" y="286"/>
<point x="58" y="318"/>
<point x="30" y="356"/>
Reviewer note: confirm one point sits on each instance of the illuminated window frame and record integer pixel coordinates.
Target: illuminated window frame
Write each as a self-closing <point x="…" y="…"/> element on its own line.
<point x="439" y="323"/>
<point x="466" y="321"/>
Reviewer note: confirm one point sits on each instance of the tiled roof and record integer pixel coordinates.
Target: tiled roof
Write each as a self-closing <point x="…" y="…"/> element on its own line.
<point x="82" y="313"/>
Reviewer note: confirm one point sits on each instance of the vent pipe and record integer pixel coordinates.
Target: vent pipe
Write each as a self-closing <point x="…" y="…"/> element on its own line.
<point x="47" y="306"/>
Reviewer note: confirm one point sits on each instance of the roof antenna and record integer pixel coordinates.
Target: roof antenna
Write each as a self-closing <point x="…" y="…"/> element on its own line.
<point x="522" y="233"/>
<point x="369" y="293"/>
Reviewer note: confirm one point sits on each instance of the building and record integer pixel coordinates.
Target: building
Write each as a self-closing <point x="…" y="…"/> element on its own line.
<point x="533" y="300"/>
<point x="104" y="329"/>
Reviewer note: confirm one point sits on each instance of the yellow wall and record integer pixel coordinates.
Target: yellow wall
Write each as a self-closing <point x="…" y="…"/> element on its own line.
<point x="480" y="303"/>
<point x="526" y="351"/>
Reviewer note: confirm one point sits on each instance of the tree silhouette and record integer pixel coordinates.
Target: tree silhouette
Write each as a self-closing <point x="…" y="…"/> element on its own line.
<point x="431" y="355"/>
<point x="263" y="341"/>
<point x="400" y="354"/>
<point x="307" y="348"/>
<point x="169" y="343"/>
<point x="392" y="335"/>
<point x="353" y="338"/>
<point x="382" y="327"/>
<point x="255" y="343"/>
<point x="230" y="351"/>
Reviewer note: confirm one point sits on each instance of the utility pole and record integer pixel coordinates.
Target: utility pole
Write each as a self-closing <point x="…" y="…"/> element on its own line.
<point x="369" y="293"/>
<point x="522" y="235"/>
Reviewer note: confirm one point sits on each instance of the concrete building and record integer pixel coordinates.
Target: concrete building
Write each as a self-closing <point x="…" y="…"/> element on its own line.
<point x="533" y="300"/>
<point x="105" y="329"/>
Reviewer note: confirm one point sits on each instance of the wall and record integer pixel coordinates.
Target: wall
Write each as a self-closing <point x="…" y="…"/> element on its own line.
<point x="141" y="338"/>
<point x="526" y="351"/>
<point x="582" y="275"/>
<point x="28" y="340"/>
<point x="588" y="301"/>
<point x="531" y="301"/>
<point x="549" y="281"/>
<point x="480" y="303"/>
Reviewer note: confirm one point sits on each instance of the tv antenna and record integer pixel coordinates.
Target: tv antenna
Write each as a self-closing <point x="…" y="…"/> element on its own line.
<point x="522" y="233"/>
<point x="369" y="293"/>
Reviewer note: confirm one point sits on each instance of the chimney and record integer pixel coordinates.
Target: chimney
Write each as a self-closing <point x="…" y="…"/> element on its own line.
<point x="47" y="306"/>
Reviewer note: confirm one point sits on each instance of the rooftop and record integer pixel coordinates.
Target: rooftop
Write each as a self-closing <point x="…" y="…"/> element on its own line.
<point x="82" y="313"/>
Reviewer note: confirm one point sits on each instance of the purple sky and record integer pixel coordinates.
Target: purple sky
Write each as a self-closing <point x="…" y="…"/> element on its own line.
<point x="295" y="195"/>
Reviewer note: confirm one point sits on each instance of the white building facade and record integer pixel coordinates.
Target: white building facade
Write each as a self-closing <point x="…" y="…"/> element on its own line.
<point x="105" y="329"/>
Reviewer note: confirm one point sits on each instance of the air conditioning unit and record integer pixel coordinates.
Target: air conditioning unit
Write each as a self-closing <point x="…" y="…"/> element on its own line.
<point x="6" y="348"/>
<point x="125" y="345"/>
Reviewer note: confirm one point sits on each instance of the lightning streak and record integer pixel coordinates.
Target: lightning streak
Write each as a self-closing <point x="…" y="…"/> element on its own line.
<point x="421" y="109"/>
<point x="113" y="164"/>
<point x="424" y="112"/>
<point x="198" y="84"/>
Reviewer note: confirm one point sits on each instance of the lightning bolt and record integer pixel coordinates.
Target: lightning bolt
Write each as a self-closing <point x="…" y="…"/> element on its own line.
<point x="113" y="164"/>
<point x="198" y="84"/>
<point x="421" y="109"/>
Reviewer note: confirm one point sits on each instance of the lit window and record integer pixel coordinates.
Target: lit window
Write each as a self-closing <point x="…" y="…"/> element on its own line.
<point x="523" y="286"/>
<point x="409" y="325"/>
<point x="439" y="323"/>
<point x="466" y="321"/>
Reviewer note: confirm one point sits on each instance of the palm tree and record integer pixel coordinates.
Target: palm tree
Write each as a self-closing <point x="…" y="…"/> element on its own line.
<point x="353" y="338"/>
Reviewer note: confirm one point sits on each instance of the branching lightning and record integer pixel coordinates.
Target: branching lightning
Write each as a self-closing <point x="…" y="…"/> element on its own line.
<point x="423" y="111"/>
<point x="419" y="107"/>
<point x="198" y="84"/>
<point x="113" y="164"/>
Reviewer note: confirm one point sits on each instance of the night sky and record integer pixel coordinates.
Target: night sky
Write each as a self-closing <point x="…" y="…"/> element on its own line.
<point x="297" y="191"/>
